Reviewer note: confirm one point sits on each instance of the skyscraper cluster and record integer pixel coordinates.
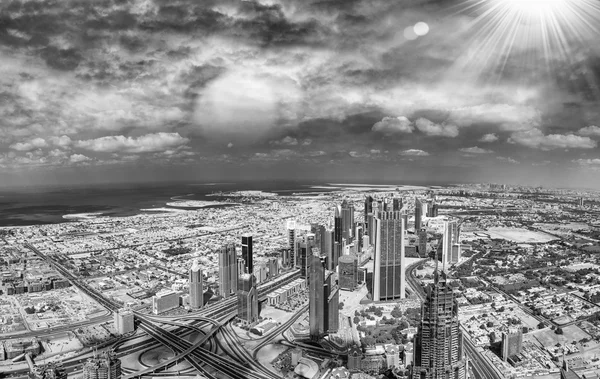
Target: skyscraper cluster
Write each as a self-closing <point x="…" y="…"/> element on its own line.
<point x="438" y="347"/>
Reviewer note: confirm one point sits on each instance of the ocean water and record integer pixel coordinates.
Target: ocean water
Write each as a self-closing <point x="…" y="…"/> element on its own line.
<point x="48" y="205"/>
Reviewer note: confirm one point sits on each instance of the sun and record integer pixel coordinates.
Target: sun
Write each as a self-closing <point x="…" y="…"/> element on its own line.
<point x="535" y="36"/>
<point x="535" y="8"/>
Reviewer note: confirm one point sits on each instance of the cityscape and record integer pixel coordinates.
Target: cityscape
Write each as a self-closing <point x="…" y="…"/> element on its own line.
<point x="348" y="281"/>
<point x="299" y="189"/>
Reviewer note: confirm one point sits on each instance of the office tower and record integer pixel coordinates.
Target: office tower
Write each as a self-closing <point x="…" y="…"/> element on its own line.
<point x="512" y="343"/>
<point x="337" y="224"/>
<point x="165" y="300"/>
<point x="389" y="266"/>
<point x="291" y="233"/>
<point x="432" y="211"/>
<point x="273" y="267"/>
<point x="228" y="270"/>
<point x="323" y="300"/>
<point x="195" y="281"/>
<point x="316" y="230"/>
<point x="392" y="356"/>
<point x="450" y="255"/>
<point x="327" y="249"/>
<point x="358" y="234"/>
<point x="438" y="350"/>
<point x="302" y="258"/>
<point x="418" y="213"/>
<point x="396" y="204"/>
<point x="108" y="366"/>
<point x="347" y="221"/>
<point x="247" y="253"/>
<point x="368" y="210"/>
<point x="287" y="258"/>
<point x="422" y="247"/>
<point x="124" y="321"/>
<point x="247" y="299"/>
<point x="372" y="229"/>
<point x="348" y="272"/>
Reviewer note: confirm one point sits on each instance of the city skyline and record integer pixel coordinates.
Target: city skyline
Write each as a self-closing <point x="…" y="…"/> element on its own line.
<point x="272" y="89"/>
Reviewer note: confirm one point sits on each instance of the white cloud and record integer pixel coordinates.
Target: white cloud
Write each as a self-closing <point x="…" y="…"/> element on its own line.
<point x="35" y="143"/>
<point x="508" y="159"/>
<point x="78" y="158"/>
<point x="536" y="139"/>
<point x="492" y="137"/>
<point x="375" y="151"/>
<point x="432" y="129"/>
<point x="509" y="117"/>
<point x="62" y="141"/>
<point x="475" y="150"/>
<point x="414" y="153"/>
<point x="286" y="141"/>
<point x="588" y="162"/>
<point x="306" y="142"/>
<point x="229" y="145"/>
<point x="591" y="130"/>
<point x="393" y="125"/>
<point x="318" y="153"/>
<point x="147" y="143"/>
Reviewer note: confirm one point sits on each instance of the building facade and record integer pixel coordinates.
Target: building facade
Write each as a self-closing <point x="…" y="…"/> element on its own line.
<point x="389" y="261"/>
<point x="247" y="254"/>
<point x="107" y="366"/>
<point x="247" y="299"/>
<point x="228" y="270"/>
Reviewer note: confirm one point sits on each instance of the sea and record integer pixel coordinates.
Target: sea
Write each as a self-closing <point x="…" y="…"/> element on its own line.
<point x="48" y="205"/>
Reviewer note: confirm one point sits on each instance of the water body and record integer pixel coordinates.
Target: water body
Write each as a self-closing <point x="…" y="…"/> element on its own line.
<point x="35" y="206"/>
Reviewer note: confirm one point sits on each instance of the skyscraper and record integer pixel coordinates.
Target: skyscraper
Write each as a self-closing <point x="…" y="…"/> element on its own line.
<point x="302" y="261"/>
<point x="368" y="210"/>
<point x="418" y="213"/>
<point x="512" y="343"/>
<point x="348" y="272"/>
<point x="327" y="248"/>
<point x="389" y="266"/>
<point x="347" y="221"/>
<point x="396" y="204"/>
<point x="108" y="366"/>
<point x="422" y="236"/>
<point x="247" y="298"/>
<point x="228" y="270"/>
<point x="195" y="280"/>
<point x="291" y="233"/>
<point x="438" y="349"/>
<point x="247" y="253"/>
<point x="337" y="225"/>
<point x="323" y="300"/>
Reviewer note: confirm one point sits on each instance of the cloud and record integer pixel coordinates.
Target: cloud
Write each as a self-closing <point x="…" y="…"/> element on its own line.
<point x="475" y="150"/>
<point x="508" y="117"/>
<point x="306" y="142"/>
<point x="389" y="126"/>
<point x="439" y="130"/>
<point x="375" y="151"/>
<point x="508" y="160"/>
<point x="536" y="139"/>
<point x="591" y="130"/>
<point x="414" y="153"/>
<point x="78" y="158"/>
<point x="286" y="141"/>
<point x="33" y="144"/>
<point x="62" y="141"/>
<point x="492" y="137"/>
<point x="588" y="162"/>
<point x="147" y="143"/>
<point x="229" y="145"/>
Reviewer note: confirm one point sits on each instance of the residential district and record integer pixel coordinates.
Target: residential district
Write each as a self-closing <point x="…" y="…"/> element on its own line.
<point x="345" y="281"/>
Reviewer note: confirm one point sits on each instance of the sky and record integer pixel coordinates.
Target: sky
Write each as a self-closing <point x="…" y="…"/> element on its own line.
<point x="329" y="90"/>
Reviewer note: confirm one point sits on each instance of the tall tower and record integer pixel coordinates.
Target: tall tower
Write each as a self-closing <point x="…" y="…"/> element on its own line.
<point x="247" y="253"/>
<point x="389" y="279"/>
<point x="228" y="270"/>
<point x="196" y="294"/>
<point x="368" y="210"/>
<point x="247" y="298"/>
<point x="422" y="236"/>
<point x="347" y="221"/>
<point x="337" y="225"/>
<point x="418" y="213"/>
<point x="106" y="367"/>
<point x="438" y="351"/>
<point x="316" y="301"/>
